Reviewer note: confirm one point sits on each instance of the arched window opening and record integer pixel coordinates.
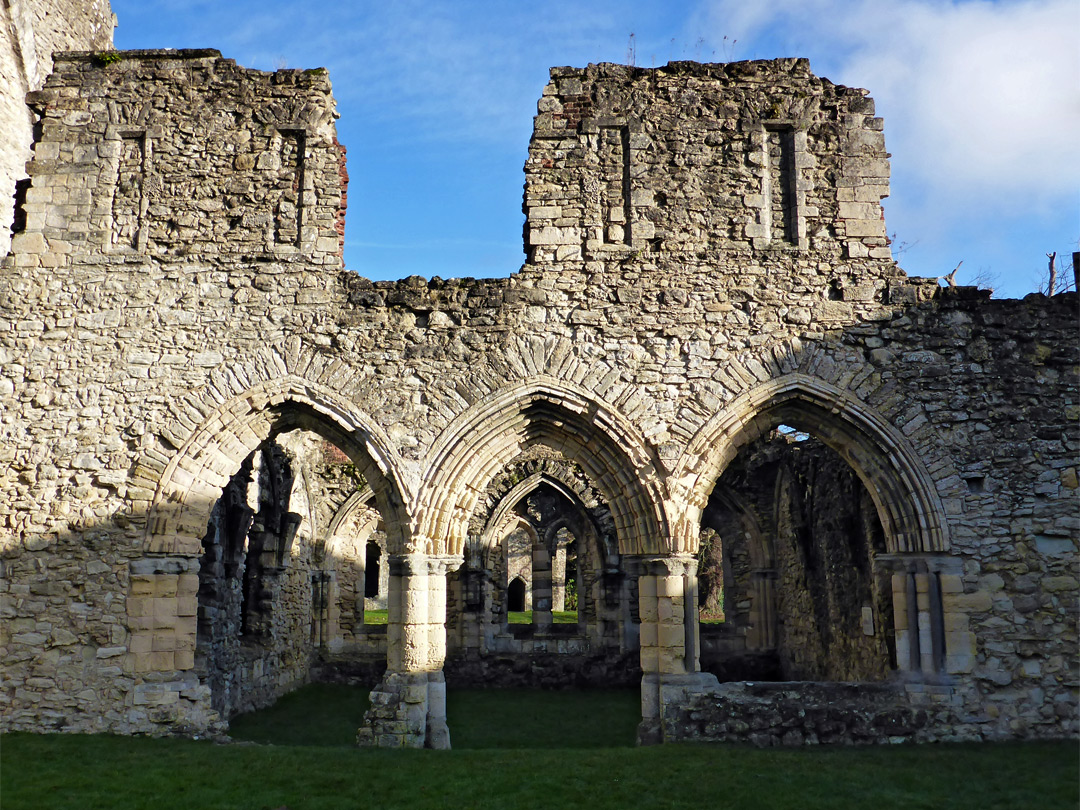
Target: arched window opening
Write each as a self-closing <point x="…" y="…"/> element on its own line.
<point x="372" y="570"/>
<point x="515" y="595"/>
<point x="571" y="573"/>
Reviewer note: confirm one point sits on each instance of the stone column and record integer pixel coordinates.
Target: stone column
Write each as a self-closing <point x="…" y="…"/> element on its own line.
<point x="667" y="599"/>
<point x="906" y="622"/>
<point x="558" y="577"/>
<point x="162" y="608"/>
<point x="928" y="590"/>
<point x="762" y="630"/>
<point x="932" y="632"/>
<point x="408" y="708"/>
<point x="541" y="587"/>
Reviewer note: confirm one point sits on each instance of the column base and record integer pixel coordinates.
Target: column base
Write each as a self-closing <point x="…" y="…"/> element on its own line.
<point x="408" y="710"/>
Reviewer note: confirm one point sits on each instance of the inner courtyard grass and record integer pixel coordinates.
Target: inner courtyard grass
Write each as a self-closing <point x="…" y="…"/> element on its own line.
<point x="514" y="748"/>
<point x="557" y="617"/>
<point x="375" y="616"/>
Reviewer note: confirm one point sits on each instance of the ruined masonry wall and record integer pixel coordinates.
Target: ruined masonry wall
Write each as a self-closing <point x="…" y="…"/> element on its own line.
<point x="179" y="288"/>
<point x="30" y="32"/>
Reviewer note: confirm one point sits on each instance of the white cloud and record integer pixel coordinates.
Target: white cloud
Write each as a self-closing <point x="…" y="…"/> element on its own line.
<point x="979" y="97"/>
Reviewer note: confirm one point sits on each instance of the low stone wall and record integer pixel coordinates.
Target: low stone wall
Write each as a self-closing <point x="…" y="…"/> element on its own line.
<point x="804" y="713"/>
<point x="353" y="669"/>
<point x="544" y="670"/>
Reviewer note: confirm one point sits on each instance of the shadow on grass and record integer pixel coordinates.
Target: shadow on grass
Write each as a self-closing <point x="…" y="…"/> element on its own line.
<point x="511" y="750"/>
<point x="73" y="772"/>
<point x="329" y="715"/>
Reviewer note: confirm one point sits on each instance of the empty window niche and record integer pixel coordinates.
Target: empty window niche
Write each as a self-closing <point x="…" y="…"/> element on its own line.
<point x="780" y="192"/>
<point x="128" y="207"/>
<point x="613" y="145"/>
<point x="289" y="210"/>
<point x="976" y="484"/>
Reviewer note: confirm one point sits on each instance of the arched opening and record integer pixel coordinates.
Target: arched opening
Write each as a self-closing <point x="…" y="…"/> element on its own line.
<point x="545" y="440"/>
<point x="823" y="535"/>
<point x="789" y="560"/>
<point x="547" y="599"/>
<point x="515" y="595"/>
<point x="353" y="558"/>
<point x="260" y="631"/>
<point x="265" y="483"/>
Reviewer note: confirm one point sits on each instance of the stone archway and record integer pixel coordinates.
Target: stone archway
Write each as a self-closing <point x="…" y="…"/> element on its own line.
<point x="162" y="602"/>
<point x="564" y="543"/>
<point x="911" y="510"/>
<point x="353" y="564"/>
<point x="905" y="495"/>
<point x="543" y="411"/>
<point x="467" y="455"/>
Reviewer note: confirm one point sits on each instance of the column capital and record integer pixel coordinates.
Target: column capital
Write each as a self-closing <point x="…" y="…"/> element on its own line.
<point x="419" y="565"/>
<point x="665" y="565"/>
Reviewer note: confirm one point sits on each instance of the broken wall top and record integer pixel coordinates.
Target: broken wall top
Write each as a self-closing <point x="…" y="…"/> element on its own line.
<point x="178" y="156"/>
<point x="698" y="170"/>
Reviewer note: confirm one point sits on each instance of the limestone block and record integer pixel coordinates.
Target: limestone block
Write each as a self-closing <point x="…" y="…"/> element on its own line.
<point x="649" y="635"/>
<point x="858" y="228"/>
<point x="977" y="602"/>
<point x="550" y="235"/>
<point x="649" y="610"/>
<point x="28" y="243"/>
<point x="165" y="609"/>
<point x="650" y="659"/>
<point x="951" y="583"/>
<point x="669" y="586"/>
<point x="671" y="636"/>
<point x="647" y="586"/>
<point x="671" y="660"/>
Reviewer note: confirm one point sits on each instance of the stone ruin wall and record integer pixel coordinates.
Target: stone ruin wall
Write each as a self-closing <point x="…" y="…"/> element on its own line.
<point x="696" y="235"/>
<point x="31" y="31"/>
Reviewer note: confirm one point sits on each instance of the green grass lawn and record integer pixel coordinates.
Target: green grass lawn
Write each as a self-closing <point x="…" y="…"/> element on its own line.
<point x="515" y="749"/>
<point x="375" y="616"/>
<point x="557" y="617"/>
<point x="514" y="617"/>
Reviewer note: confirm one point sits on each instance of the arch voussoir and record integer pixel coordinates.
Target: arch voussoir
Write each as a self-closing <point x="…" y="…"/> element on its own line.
<point x="893" y="470"/>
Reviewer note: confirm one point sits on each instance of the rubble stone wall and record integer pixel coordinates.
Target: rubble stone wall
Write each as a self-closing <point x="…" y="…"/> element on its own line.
<point x="707" y="259"/>
<point x="31" y="31"/>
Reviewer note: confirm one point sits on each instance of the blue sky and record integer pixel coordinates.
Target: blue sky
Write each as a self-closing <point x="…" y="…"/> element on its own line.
<point x="981" y="102"/>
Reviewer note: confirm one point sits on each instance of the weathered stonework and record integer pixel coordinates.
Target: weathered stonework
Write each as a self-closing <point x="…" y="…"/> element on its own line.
<point x="30" y="32"/>
<point x="707" y="261"/>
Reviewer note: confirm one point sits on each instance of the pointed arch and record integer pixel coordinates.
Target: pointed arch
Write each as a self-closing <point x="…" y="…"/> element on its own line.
<point x="509" y="498"/>
<point x="345" y="514"/>
<point x="542" y="410"/>
<point x="904" y="492"/>
<point x="191" y="480"/>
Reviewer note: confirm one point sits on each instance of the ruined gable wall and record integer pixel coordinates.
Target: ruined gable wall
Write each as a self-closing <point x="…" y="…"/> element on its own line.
<point x="149" y="297"/>
<point x="30" y="32"/>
